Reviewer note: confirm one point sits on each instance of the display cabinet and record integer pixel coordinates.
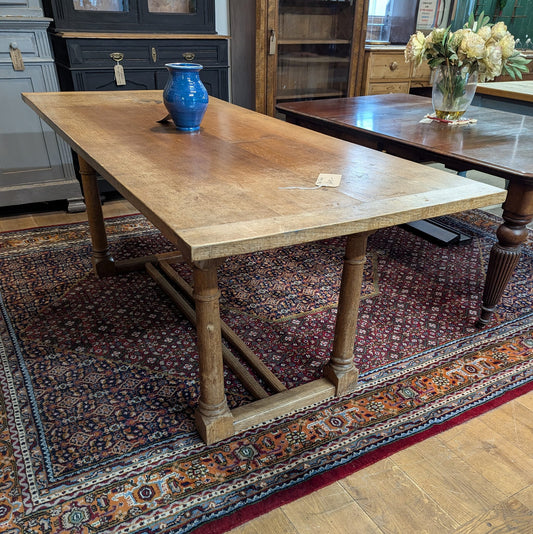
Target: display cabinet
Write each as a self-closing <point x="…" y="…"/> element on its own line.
<point x="115" y="45"/>
<point x="91" y="39"/>
<point x="180" y="16"/>
<point x="303" y="50"/>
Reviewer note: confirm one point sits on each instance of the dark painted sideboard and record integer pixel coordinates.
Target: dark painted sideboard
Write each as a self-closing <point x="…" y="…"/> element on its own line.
<point x="85" y="62"/>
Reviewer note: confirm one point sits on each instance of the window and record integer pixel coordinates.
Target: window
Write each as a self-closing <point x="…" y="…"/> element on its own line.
<point x="379" y="21"/>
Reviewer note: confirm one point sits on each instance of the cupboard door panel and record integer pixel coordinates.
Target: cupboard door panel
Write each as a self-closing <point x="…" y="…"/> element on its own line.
<point x="303" y="50"/>
<point x="34" y="162"/>
<point x="176" y="16"/>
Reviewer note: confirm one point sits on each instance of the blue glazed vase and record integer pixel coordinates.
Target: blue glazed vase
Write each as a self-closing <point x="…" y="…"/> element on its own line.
<point x="185" y="96"/>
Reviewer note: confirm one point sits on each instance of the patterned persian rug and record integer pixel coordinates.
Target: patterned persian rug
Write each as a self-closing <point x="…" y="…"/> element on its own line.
<point x="99" y="384"/>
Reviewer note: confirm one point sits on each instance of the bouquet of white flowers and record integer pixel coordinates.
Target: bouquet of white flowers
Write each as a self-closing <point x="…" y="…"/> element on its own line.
<point x="487" y="49"/>
<point x="477" y="52"/>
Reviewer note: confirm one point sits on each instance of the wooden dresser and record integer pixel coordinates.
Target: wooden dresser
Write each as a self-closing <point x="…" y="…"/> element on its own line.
<point x="386" y="71"/>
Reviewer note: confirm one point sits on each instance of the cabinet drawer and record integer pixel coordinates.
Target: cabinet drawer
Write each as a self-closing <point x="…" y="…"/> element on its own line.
<point x="26" y="42"/>
<point x="95" y="53"/>
<point x="209" y="52"/>
<point x="388" y="66"/>
<point x="385" y="88"/>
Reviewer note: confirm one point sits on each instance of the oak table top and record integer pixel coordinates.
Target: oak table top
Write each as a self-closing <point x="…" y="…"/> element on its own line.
<point x="521" y="90"/>
<point x="230" y="176"/>
<point x="245" y="182"/>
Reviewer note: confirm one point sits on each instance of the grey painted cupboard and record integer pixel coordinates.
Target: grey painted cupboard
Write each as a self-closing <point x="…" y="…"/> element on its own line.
<point x="35" y="165"/>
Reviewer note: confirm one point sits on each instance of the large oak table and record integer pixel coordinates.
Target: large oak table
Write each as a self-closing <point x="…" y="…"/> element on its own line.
<point x="228" y="190"/>
<point x="499" y="143"/>
<point x="515" y="96"/>
<point x="520" y="90"/>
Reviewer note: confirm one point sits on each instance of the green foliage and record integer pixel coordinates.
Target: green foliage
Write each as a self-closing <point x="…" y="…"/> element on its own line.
<point x="474" y="24"/>
<point x="442" y="52"/>
<point x="515" y="65"/>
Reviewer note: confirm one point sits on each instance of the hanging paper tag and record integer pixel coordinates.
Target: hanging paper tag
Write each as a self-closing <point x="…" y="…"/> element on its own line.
<point x="16" y="58"/>
<point x="120" y="79"/>
<point x="328" y="180"/>
<point x="272" y="41"/>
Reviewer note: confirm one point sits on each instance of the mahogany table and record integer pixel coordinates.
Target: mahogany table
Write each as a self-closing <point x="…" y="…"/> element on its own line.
<point x="243" y="183"/>
<point x="499" y="143"/>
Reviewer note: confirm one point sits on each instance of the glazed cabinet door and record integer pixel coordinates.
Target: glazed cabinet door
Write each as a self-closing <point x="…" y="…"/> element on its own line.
<point x="304" y="49"/>
<point x="173" y="16"/>
<point x="314" y="48"/>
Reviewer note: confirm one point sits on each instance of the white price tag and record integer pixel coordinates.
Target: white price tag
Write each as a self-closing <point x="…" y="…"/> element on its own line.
<point x="120" y="79"/>
<point x="328" y="180"/>
<point x="16" y="58"/>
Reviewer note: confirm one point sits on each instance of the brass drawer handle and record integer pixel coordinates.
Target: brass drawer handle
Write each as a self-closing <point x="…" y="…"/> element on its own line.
<point x="393" y="66"/>
<point x="117" y="56"/>
<point x="189" y="56"/>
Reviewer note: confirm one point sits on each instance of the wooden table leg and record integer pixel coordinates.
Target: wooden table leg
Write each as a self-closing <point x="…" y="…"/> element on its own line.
<point x="504" y="256"/>
<point x="102" y="261"/>
<point x="340" y="369"/>
<point x="213" y="417"/>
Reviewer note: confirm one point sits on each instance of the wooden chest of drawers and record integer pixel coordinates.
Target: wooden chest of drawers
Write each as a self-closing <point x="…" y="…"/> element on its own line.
<point x="386" y="71"/>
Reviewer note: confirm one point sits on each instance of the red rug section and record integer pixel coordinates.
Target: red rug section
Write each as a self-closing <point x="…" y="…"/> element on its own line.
<point x="253" y="511"/>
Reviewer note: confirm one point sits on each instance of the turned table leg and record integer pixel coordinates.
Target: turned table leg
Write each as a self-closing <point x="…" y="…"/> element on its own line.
<point x="102" y="261"/>
<point x="340" y="370"/>
<point x="213" y="417"/>
<point x="504" y="256"/>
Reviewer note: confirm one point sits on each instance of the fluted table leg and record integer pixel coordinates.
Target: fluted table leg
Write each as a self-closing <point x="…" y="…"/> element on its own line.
<point x="504" y="256"/>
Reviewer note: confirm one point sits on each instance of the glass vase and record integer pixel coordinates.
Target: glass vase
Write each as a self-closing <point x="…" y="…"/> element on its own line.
<point x="453" y="90"/>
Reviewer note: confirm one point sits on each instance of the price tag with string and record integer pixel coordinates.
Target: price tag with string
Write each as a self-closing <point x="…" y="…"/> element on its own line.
<point x="120" y="78"/>
<point x="16" y="57"/>
<point x="323" y="180"/>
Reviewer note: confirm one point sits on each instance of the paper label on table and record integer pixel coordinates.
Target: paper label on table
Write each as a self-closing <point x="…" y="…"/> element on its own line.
<point x="16" y="58"/>
<point x="120" y="79"/>
<point x="328" y="180"/>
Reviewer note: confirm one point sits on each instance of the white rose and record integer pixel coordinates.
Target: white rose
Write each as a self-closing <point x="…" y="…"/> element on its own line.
<point x="507" y="43"/>
<point x="485" y="32"/>
<point x="499" y="30"/>
<point x="415" y="48"/>
<point x="491" y="65"/>
<point x="472" y="46"/>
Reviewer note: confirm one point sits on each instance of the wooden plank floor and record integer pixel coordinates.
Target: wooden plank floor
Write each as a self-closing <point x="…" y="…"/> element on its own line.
<point x="475" y="478"/>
